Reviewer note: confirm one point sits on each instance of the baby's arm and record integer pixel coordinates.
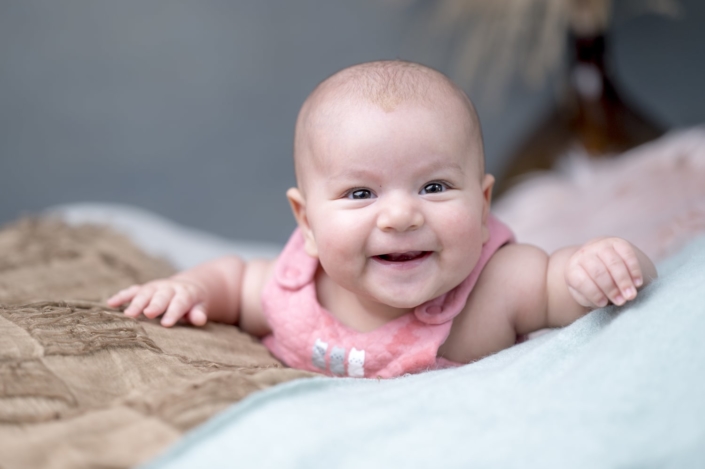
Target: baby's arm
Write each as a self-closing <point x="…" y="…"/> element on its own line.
<point x="223" y="290"/>
<point x="522" y="290"/>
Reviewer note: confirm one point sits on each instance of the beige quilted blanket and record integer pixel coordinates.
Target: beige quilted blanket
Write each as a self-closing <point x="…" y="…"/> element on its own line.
<point x="81" y="385"/>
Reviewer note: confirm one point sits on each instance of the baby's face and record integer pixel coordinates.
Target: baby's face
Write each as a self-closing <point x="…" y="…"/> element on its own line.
<point x="394" y="203"/>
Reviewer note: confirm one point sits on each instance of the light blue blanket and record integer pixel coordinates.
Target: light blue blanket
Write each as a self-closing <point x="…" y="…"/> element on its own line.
<point x="622" y="387"/>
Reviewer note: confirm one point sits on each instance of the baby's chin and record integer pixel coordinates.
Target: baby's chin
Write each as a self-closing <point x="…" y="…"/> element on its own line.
<point x="403" y="301"/>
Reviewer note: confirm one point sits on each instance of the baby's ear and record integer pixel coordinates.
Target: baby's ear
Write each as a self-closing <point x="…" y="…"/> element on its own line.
<point x="487" y="185"/>
<point x="298" y="206"/>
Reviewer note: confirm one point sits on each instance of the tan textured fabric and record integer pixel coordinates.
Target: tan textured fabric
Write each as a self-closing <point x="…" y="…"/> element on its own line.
<point x="81" y="385"/>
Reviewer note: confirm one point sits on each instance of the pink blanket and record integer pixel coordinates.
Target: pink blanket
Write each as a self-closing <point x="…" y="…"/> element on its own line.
<point x="653" y="196"/>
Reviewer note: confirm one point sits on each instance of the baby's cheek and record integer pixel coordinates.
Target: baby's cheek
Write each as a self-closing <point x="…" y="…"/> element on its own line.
<point x="340" y="262"/>
<point x="335" y="249"/>
<point x="461" y="228"/>
<point x="462" y="242"/>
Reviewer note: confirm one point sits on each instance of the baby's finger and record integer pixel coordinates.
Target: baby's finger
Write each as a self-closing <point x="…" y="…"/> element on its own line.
<point x="180" y="305"/>
<point x="159" y="302"/>
<point x="123" y="296"/>
<point x="139" y="301"/>
<point x="626" y="252"/>
<point x="580" y="280"/>
<point x="197" y="316"/>
<point x="621" y="278"/>
<point x="604" y="281"/>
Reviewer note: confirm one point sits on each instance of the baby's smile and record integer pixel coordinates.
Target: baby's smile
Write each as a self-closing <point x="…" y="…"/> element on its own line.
<point x="403" y="257"/>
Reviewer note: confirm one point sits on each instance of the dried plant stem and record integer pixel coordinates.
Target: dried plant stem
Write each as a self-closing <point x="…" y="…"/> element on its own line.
<point x="499" y="39"/>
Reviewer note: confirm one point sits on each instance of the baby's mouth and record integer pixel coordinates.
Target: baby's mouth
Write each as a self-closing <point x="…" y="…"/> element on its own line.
<point x="403" y="256"/>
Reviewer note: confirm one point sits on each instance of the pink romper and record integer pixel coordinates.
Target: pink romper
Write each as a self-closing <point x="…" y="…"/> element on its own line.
<point x="307" y="337"/>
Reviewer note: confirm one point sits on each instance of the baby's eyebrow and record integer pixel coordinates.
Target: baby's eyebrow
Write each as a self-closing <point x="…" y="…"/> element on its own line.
<point x="357" y="173"/>
<point x="431" y="166"/>
<point x="432" y="163"/>
<point x="439" y="165"/>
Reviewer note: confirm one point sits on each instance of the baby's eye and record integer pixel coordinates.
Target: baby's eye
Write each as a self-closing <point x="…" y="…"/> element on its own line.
<point x="360" y="194"/>
<point x="433" y="188"/>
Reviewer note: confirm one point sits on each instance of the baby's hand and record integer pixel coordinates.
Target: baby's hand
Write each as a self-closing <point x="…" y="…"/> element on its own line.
<point x="604" y="270"/>
<point x="175" y="298"/>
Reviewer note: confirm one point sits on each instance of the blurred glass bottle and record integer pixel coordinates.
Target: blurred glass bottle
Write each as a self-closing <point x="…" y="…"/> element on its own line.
<point x="591" y="114"/>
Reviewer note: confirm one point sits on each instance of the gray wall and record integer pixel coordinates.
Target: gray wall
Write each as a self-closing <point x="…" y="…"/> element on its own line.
<point x="187" y="108"/>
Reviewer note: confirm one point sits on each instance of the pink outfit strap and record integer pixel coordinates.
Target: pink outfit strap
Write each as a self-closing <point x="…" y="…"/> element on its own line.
<point x="308" y="337"/>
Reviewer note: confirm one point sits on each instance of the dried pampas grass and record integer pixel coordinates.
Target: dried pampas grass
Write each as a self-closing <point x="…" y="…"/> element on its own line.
<point x="498" y="39"/>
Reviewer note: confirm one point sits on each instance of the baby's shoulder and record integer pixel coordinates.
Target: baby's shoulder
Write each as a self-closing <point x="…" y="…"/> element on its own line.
<point x="514" y="268"/>
<point x="515" y="274"/>
<point x="515" y="258"/>
<point x="513" y="280"/>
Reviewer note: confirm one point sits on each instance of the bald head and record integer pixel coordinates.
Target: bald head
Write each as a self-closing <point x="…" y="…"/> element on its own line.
<point x="387" y="85"/>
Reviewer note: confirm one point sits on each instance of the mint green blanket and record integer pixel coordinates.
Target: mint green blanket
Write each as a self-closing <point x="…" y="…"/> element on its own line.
<point x="622" y="387"/>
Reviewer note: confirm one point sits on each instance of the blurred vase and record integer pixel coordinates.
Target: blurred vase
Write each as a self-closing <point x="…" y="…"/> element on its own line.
<point x="592" y="115"/>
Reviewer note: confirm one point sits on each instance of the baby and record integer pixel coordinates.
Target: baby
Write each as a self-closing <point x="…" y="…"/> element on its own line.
<point x="397" y="265"/>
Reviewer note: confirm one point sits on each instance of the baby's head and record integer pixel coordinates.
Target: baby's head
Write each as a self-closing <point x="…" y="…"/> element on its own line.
<point x="387" y="85"/>
<point x="391" y="185"/>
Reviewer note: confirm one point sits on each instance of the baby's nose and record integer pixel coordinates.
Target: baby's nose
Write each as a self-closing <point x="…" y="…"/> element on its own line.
<point x="400" y="213"/>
